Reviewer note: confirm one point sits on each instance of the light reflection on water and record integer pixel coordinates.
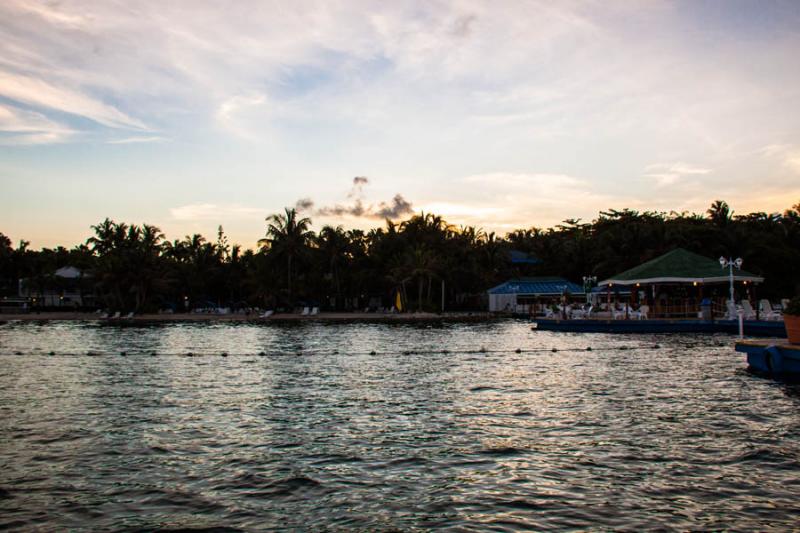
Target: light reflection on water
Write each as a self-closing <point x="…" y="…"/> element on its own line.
<point x="675" y="437"/>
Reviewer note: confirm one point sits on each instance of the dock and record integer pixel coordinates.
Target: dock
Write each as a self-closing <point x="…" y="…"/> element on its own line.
<point x="776" y="357"/>
<point x="752" y="328"/>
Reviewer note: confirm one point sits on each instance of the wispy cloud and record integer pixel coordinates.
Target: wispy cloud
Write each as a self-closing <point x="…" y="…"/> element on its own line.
<point x="38" y="93"/>
<point x="136" y="140"/>
<point x="216" y="212"/>
<point x="669" y="173"/>
<point x="24" y="127"/>
<point x="788" y="155"/>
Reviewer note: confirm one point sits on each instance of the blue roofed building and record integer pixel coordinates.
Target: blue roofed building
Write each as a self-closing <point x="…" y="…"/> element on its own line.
<point x="518" y="295"/>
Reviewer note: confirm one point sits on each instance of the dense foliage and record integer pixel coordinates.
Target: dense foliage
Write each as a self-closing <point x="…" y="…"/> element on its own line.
<point x="135" y="268"/>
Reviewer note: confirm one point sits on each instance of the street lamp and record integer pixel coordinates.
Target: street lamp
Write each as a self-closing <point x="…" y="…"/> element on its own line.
<point x="729" y="264"/>
<point x="588" y="283"/>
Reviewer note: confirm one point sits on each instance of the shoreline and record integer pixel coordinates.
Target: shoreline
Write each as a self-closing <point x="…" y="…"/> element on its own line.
<point x="282" y="317"/>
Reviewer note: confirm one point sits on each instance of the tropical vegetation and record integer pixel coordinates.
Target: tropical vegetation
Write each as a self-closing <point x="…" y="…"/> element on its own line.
<point x="424" y="259"/>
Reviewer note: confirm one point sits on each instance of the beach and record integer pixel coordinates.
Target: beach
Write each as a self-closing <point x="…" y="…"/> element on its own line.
<point x="254" y="317"/>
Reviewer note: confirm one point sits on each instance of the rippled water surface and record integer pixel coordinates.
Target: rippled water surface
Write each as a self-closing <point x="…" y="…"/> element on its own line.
<point x="429" y="431"/>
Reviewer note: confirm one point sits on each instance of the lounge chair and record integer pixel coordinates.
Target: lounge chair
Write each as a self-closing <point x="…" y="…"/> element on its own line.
<point x="733" y="312"/>
<point x="116" y="315"/>
<point x="129" y="315"/>
<point x="768" y="312"/>
<point x="749" y="312"/>
<point x="266" y="314"/>
<point x="314" y="311"/>
<point x="306" y="311"/>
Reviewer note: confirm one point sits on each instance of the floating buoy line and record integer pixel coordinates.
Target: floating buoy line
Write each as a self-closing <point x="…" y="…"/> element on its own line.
<point x="296" y="352"/>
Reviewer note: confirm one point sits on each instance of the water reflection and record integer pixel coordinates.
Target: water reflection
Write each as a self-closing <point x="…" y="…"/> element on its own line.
<point x="320" y="434"/>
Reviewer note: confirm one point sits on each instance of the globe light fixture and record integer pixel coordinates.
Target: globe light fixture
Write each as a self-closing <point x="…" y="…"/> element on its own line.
<point x="729" y="263"/>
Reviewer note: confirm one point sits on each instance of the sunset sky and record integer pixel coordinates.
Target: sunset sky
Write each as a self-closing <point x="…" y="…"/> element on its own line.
<point x="188" y="115"/>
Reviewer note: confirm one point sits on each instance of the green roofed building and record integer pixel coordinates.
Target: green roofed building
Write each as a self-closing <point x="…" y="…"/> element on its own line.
<point x="679" y="266"/>
<point x="675" y="284"/>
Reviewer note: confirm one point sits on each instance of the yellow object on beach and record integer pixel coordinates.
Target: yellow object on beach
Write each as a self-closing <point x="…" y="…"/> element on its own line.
<point x="398" y="302"/>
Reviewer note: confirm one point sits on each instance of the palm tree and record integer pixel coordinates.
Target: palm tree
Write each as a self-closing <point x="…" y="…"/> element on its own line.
<point x="287" y="235"/>
<point x="719" y="213"/>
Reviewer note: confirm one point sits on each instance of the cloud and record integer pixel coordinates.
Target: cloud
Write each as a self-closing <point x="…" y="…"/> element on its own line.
<point x="397" y="207"/>
<point x="21" y="127"/>
<point x="359" y="182"/>
<point x="242" y="114"/>
<point x="215" y="212"/>
<point x="509" y="200"/>
<point x="304" y="204"/>
<point x="135" y="140"/>
<point x="788" y="155"/>
<point x="670" y="173"/>
<point x="38" y="93"/>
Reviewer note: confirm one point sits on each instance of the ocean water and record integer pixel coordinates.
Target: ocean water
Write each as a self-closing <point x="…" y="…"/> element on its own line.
<point x="316" y="426"/>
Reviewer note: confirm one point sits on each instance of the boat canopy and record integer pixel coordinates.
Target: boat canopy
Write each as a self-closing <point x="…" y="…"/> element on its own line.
<point x="679" y="266"/>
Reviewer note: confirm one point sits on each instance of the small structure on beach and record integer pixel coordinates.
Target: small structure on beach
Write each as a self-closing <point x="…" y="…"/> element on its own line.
<point x="674" y="284"/>
<point x="66" y="287"/>
<point x="523" y="295"/>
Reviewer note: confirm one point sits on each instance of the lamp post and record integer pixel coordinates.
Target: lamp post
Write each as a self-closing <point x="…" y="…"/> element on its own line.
<point x="588" y="283"/>
<point x="729" y="264"/>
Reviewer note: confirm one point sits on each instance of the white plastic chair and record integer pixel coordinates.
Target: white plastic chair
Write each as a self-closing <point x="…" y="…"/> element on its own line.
<point x="749" y="312"/>
<point x="306" y="311"/>
<point x="733" y="313"/>
<point x="768" y="312"/>
<point x="315" y="311"/>
<point x="644" y="311"/>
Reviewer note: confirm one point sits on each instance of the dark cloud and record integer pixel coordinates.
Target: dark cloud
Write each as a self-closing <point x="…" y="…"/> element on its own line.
<point x="397" y="208"/>
<point x="304" y="204"/>
<point x="394" y="209"/>
<point x="359" y="182"/>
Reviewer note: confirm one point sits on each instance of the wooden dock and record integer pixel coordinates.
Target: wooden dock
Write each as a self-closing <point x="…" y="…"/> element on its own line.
<point x="775" y="357"/>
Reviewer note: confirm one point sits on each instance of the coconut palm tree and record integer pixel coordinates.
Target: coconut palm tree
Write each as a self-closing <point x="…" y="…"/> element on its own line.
<point x="287" y="235"/>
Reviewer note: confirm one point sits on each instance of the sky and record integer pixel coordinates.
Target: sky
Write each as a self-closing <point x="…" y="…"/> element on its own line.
<point x="193" y="114"/>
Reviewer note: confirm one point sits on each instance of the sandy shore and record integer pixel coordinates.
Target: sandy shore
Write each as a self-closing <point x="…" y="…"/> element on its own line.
<point x="282" y="317"/>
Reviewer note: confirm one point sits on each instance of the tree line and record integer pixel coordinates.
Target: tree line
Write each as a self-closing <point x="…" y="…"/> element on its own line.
<point x="426" y="260"/>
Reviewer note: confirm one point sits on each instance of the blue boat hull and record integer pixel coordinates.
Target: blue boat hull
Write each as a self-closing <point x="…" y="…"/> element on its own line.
<point x="752" y="328"/>
<point x="774" y="359"/>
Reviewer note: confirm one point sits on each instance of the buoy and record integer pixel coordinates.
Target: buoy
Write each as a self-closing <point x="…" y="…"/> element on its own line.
<point x="483" y="349"/>
<point x="589" y="349"/>
<point x="189" y="354"/>
<point x="372" y="352"/>
<point x="224" y="354"/>
<point x="123" y="353"/>
<point x="262" y="353"/>
<point x="656" y="346"/>
<point x="52" y="353"/>
<point x="17" y="353"/>
<point x="406" y="352"/>
<point x="555" y="349"/>
<point x="153" y="353"/>
<point x="445" y="351"/>
<point x="518" y="350"/>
